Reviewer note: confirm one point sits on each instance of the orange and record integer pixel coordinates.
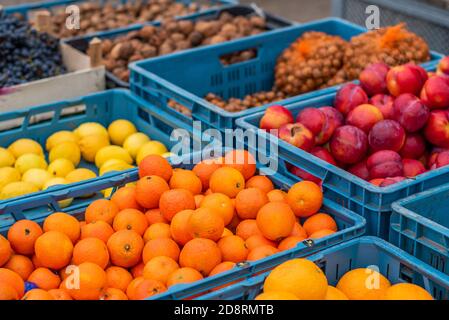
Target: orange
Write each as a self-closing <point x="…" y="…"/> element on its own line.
<point x="363" y="284"/>
<point x="407" y="291"/>
<point x="8" y="292"/>
<point x="183" y="275"/>
<point x="36" y="261"/>
<point x="92" y="281"/>
<point x="228" y="181"/>
<point x="290" y="242"/>
<point x="45" y="279"/>
<point x="200" y="254"/>
<point x="160" y="268"/>
<point x="155" y="216"/>
<point x="277" y="195"/>
<point x="54" y="250"/>
<point x="186" y="179"/>
<point x="258" y="240"/>
<point x="149" y="190"/>
<point x="21" y="265"/>
<point x="160" y="247"/>
<point x="59" y="294"/>
<point x="335" y="294"/>
<point x="146" y="288"/>
<point x="64" y="223"/>
<point x="220" y="204"/>
<point x="261" y="252"/>
<point x="235" y="220"/>
<point x="208" y="192"/>
<point x="276" y="295"/>
<point x="261" y="182"/>
<point x="13" y="280"/>
<point x="321" y="234"/>
<point x="131" y="290"/>
<point x="97" y="229"/>
<point x="130" y="219"/>
<point x="113" y="294"/>
<point x="305" y="198"/>
<point x="249" y="201"/>
<point x="226" y="233"/>
<point x="118" y="278"/>
<point x="101" y="210"/>
<point x="300" y="277"/>
<point x="233" y="248"/>
<point x="174" y="201"/>
<point x="205" y="223"/>
<point x="179" y="227"/>
<point x="222" y="267"/>
<point x="125" y="198"/>
<point x="91" y="250"/>
<point x="318" y="222"/>
<point x="125" y="248"/>
<point x="275" y="220"/>
<point x="22" y="235"/>
<point x="298" y="231"/>
<point x="198" y="199"/>
<point x="241" y="160"/>
<point x="247" y="228"/>
<point x="137" y="270"/>
<point x="155" y="165"/>
<point x="157" y="230"/>
<point x="37" y="294"/>
<point x="5" y="250"/>
<point x="204" y="171"/>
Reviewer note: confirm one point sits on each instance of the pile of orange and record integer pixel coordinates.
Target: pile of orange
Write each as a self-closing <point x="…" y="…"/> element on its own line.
<point x="301" y="279"/>
<point x="173" y="226"/>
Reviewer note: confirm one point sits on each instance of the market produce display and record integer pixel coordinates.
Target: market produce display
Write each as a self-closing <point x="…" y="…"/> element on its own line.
<point x="389" y="128"/>
<point x="301" y="279"/>
<point x="70" y="156"/>
<point x="27" y="54"/>
<point x="173" y="226"/>
<point x="172" y="36"/>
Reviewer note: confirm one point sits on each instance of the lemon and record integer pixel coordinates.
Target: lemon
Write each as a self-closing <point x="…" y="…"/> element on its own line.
<point x="60" y="167"/>
<point x="23" y="146"/>
<point x="38" y="177"/>
<point x="134" y="142"/>
<point x="119" y="130"/>
<point x="90" y="128"/>
<point x="167" y="154"/>
<point x="17" y="189"/>
<point x="29" y="161"/>
<point x="7" y="159"/>
<point x="8" y="175"/>
<point x="112" y="152"/>
<point x="107" y="193"/>
<point x="58" y="181"/>
<point x="90" y="145"/>
<point x="80" y="174"/>
<point x="149" y="148"/>
<point x="60" y="137"/>
<point x="66" y="150"/>
<point x="118" y="166"/>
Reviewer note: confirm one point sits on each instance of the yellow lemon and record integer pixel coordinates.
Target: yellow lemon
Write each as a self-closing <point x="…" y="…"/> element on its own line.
<point x="119" y="166"/>
<point x="66" y="150"/>
<point x="8" y="175"/>
<point x="7" y="159"/>
<point x="29" y="161"/>
<point x="60" y="137"/>
<point x="17" y="189"/>
<point x="134" y="142"/>
<point x="38" y="177"/>
<point x="80" y="174"/>
<point x="90" y="145"/>
<point x="61" y="167"/>
<point x="119" y="130"/>
<point x="23" y="146"/>
<point x="149" y="148"/>
<point x="90" y="128"/>
<point x="112" y="152"/>
<point x="58" y="181"/>
<point x="168" y="154"/>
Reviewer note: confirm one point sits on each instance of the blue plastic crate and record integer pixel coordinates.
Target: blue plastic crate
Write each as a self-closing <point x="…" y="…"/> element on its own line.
<point x="38" y="207"/>
<point x="396" y="265"/>
<point x="360" y="196"/>
<point x="81" y="43"/>
<point x="38" y="123"/>
<point x="420" y="226"/>
<point x="181" y="78"/>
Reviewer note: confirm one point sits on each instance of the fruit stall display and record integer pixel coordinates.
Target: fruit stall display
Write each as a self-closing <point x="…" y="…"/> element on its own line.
<point x="387" y="131"/>
<point x="169" y="229"/>
<point x="342" y="272"/>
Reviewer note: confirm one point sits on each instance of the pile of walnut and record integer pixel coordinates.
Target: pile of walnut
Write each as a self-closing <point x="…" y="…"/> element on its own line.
<point x="100" y="17"/>
<point x="171" y="36"/>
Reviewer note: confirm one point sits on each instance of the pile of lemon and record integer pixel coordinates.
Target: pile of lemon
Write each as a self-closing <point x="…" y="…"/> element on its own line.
<point x="25" y="169"/>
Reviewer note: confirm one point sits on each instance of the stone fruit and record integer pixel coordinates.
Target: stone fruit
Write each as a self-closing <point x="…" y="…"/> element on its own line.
<point x="298" y="135"/>
<point x="313" y="119"/>
<point x="384" y="103"/>
<point x="412" y="167"/>
<point x="390" y="181"/>
<point x="414" y="146"/>
<point x="408" y="78"/>
<point x="364" y="117"/>
<point x="443" y="66"/>
<point x="435" y="93"/>
<point x="437" y="128"/>
<point x="441" y="159"/>
<point x="349" y="97"/>
<point x="410" y="112"/>
<point x="384" y="164"/>
<point x="373" y="78"/>
<point x="323" y="154"/>
<point x="349" y="144"/>
<point x="275" y="117"/>
<point x="387" y="135"/>
<point x="360" y="170"/>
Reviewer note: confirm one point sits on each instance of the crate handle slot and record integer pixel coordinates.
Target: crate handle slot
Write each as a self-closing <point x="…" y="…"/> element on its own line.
<point x="253" y="54"/>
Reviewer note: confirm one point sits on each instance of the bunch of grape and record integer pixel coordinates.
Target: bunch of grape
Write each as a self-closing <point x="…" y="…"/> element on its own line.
<point x="26" y="54"/>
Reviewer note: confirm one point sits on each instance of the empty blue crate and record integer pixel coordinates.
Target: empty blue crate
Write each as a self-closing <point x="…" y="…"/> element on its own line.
<point x="396" y="265"/>
<point x="179" y="77"/>
<point x="420" y="226"/>
<point x="40" y="206"/>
